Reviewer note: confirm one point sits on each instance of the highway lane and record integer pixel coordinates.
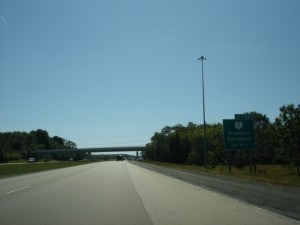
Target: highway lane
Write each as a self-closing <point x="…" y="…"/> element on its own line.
<point x="282" y="200"/>
<point x="119" y="193"/>
<point x="99" y="193"/>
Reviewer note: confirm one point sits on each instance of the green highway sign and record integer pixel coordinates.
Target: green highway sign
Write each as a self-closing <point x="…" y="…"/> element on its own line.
<point x="238" y="134"/>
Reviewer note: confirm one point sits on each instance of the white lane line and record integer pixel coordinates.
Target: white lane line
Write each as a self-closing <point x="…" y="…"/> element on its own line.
<point x="19" y="189"/>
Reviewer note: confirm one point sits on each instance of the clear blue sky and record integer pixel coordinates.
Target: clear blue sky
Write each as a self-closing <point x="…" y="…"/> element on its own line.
<point x="112" y="72"/>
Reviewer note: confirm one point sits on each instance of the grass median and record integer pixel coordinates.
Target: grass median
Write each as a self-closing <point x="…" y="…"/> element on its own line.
<point x="7" y="170"/>
<point x="273" y="174"/>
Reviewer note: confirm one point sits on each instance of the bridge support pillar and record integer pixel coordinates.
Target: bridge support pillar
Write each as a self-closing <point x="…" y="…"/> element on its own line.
<point x="137" y="155"/>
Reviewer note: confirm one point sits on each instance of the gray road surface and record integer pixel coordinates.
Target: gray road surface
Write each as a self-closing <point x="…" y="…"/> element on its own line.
<point x="278" y="199"/>
<point x="119" y="193"/>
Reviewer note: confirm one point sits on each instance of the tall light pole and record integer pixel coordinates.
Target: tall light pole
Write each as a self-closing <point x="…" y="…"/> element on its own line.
<point x="202" y="58"/>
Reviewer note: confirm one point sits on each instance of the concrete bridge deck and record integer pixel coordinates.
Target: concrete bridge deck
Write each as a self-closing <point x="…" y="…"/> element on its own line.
<point x="90" y="150"/>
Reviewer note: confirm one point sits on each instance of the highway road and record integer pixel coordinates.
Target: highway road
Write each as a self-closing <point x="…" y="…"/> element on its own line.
<point x="120" y="193"/>
<point x="278" y="199"/>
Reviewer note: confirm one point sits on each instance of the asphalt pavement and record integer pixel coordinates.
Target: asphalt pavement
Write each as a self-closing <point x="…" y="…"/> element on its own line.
<point x="275" y="198"/>
<point x="120" y="193"/>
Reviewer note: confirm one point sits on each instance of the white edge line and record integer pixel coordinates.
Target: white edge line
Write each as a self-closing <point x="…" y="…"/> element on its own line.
<point x="19" y="189"/>
<point x="219" y="194"/>
<point x="230" y="197"/>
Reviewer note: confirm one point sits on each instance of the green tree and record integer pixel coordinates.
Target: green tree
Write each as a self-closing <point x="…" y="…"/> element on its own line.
<point x="195" y="136"/>
<point x="2" y="154"/>
<point x="175" y="148"/>
<point x="43" y="138"/>
<point x="70" y="144"/>
<point x="57" y="143"/>
<point x="38" y="139"/>
<point x="264" y="138"/>
<point x="216" y="152"/>
<point x="288" y="126"/>
<point x="278" y="142"/>
<point x="16" y="145"/>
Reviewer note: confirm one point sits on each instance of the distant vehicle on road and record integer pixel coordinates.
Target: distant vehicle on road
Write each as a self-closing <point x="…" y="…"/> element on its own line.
<point x="120" y="158"/>
<point x="31" y="160"/>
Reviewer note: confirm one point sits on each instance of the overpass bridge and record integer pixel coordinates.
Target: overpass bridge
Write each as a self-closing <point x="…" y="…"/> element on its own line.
<point x="45" y="152"/>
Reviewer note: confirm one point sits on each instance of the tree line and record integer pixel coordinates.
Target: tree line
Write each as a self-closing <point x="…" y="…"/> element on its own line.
<point x="277" y="142"/>
<point x="22" y="145"/>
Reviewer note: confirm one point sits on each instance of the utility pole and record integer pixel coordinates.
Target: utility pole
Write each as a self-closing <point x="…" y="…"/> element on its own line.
<point x="202" y="58"/>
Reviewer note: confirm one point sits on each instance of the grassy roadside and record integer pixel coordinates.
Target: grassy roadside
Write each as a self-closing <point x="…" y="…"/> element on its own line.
<point x="8" y="170"/>
<point x="273" y="174"/>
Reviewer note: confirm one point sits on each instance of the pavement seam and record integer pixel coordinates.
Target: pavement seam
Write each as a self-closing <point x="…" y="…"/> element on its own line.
<point x="219" y="194"/>
<point x="138" y="194"/>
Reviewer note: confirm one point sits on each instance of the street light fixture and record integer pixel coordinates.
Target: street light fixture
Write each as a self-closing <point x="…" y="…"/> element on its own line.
<point x="202" y="58"/>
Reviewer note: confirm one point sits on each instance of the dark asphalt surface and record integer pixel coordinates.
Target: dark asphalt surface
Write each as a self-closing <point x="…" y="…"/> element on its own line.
<point x="278" y="199"/>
